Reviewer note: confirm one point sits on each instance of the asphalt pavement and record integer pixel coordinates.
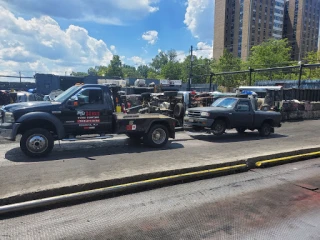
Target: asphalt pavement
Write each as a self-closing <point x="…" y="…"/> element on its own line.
<point x="84" y="162"/>
<point x="281" y="202"/>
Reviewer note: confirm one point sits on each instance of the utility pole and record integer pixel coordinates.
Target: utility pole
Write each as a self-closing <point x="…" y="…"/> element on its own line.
<point x="299" y="80"/>
<point x="20" y="76"/>
<point x="190" y="73"/>
<point x="250" y="76"/>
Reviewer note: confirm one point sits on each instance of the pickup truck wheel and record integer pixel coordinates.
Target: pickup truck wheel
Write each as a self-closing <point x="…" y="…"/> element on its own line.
<point x="265" y="130"/>
<point x="157" y="136"/>
<point x="241" y="130"/>
<point x="219" y="127"/>
<point x="36" y="142"/>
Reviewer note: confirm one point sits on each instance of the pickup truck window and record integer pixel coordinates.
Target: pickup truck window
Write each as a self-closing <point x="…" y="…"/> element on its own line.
<point x="243" y="106"/>
<point x="90" y="96"/>
<point x="66" y="94"/>
<point x="225" y="103"/>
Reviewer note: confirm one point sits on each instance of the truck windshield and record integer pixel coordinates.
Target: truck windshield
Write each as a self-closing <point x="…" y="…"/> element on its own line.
<point x="225" y="102"/>
<point x="66" y="94"/>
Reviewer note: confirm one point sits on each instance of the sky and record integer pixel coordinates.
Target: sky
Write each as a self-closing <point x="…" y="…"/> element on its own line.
<point x="59" y="37"/>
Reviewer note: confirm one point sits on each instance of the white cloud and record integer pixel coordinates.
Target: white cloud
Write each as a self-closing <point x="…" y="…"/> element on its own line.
<point x="137" y="60"/>
<point x="100" y="11"/>
<point x="204" y="50"/>
<point x="159" y="50"/>
<point x="150" y="36"/>
<point x="113" y="49"/>
<point x="199" y="18"/>
<point x="39" y="44"/>
<point x="181" y="55"/>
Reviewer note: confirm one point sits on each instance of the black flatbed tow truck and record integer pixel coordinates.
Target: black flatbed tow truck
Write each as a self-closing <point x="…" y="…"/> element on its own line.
<point x="81" y="110"/>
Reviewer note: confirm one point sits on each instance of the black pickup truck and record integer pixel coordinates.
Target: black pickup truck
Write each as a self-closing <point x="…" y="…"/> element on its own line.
<point x="80" y="110"/>
<point x="231" y="112"/>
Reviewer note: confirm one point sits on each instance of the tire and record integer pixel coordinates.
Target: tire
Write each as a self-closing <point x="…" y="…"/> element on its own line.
<point x="265" y="130"/>
<point x="178" y="110"/>
<point x="170" y="94"/>
<point x="37" y="142"/>
<point x="134" y="136"/>
<point x="157" y="136"/>
<point x="219" y="127"/>
<point x="241" y="130"/>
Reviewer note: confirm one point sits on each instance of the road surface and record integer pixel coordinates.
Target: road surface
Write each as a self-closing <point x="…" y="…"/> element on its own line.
<point x="275" y="203"/>
<point x="85" y="162"/>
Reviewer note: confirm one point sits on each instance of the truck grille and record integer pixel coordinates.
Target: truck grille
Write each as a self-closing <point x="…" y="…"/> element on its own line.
<point x="194" y="114"/>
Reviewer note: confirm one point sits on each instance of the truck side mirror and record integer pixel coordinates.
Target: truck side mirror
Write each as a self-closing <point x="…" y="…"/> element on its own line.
<point x="73" y="102"/>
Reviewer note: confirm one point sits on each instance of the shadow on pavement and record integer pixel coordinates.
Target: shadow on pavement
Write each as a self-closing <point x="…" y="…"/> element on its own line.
<point x="90" y="150"/>
<point x="235" y="137"/>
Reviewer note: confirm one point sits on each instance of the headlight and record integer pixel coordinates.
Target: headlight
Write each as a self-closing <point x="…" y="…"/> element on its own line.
<point x="187" y="112"/>
<point x="8" y="117"/>
<point x="205" y="114"/>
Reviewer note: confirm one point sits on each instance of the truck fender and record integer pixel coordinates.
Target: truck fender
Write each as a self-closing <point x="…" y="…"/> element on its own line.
<point x="44" y="116"/>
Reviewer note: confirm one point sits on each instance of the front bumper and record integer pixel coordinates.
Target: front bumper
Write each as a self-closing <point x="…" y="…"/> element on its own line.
<point x="200" y="122"/>
<point x="9" y="130"/>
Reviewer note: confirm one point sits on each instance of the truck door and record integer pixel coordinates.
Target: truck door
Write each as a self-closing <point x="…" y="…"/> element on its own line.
<point x="243" y="115"/>
<point x="93" y="113"/>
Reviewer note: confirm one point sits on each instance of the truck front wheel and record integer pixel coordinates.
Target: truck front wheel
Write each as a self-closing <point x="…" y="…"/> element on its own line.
<point x="219" y="127"/>
<point x="157" y="136"/>
<point x="36" y="142"/>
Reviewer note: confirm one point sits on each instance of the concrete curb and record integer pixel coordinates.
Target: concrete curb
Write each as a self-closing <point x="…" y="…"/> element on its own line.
<point x="146" y="181"/>
<point x="113" y="189"/>
<point x="120" y="181"/>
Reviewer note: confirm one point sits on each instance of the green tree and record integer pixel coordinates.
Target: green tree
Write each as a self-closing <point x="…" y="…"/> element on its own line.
<point x="152" y="74"/>
<point x="228" y="63"/>
<point x="115" y="67"/>
<point x="200" y="71"/>
<point x="272" y="53"/>
<point x="312" y="57"/>
<point x="93" y="71"/>
<point x="78" y="74"/>
<point x="172" y="71"/>
<point x="159" y="61"/>
<point x="172" y="55"/>
<point x="102" y="71"/>
<point x="143" y="71"/>
<point x="130" y="72"/>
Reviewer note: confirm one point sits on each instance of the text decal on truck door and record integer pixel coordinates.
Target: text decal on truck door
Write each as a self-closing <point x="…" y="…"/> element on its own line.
<point x="88" y="117"/>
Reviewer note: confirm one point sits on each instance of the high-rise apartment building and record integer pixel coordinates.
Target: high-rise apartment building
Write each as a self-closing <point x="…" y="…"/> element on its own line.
<point x="241" y="24"/>
<point x="302" y="26"/>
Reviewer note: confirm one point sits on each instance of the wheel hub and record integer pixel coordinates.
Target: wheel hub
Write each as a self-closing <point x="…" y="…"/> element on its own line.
<point x="37" y="143"/>
<point x="158" y="136"/>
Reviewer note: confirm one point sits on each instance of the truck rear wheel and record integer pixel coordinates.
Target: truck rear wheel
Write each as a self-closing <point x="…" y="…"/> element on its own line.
<point x="36" y="142"/>
<point x="265" y="130"/>
<point x="157" y="136"/>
